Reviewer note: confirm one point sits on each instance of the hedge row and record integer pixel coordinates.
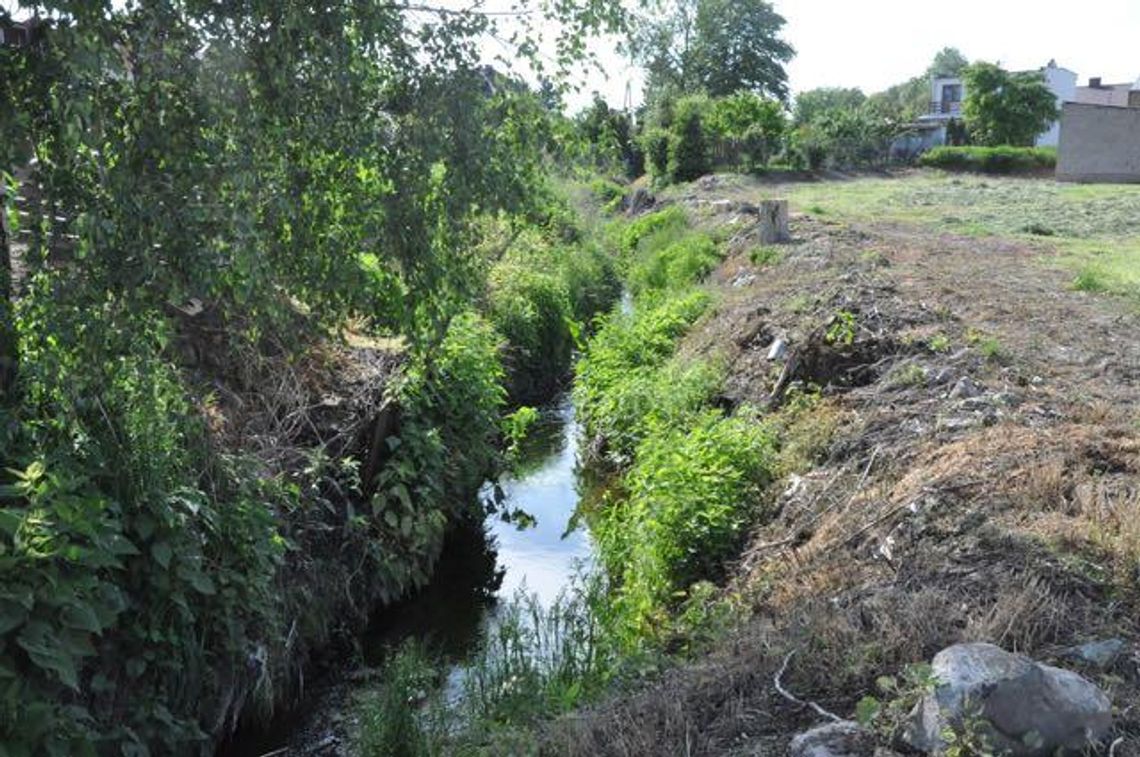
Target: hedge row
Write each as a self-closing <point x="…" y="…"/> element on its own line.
<point x="997" y="160"/>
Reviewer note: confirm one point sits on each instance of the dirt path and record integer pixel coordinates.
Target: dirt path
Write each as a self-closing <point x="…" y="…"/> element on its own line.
<point x="981" y="480"/>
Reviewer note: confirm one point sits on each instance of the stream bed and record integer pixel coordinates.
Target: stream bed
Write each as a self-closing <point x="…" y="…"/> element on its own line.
<point x="540" y="554"/>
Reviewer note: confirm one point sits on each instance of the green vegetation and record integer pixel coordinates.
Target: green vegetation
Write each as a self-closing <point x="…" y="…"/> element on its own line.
<point x="188" y="506"/>
<point x="765" y="256"/>
<point x="535" y="663"/>
<point x="692" y="493"/>
<point x="718" y="47"/>
<point x="1003" y="108"/>
<point x="626" y="380"/>
<point x="939" y="343"/>
<point x="540" y="291"/>
<point x="691" y="475"/>
<point x="689" y="157"/>
<point x="994" y="160"/>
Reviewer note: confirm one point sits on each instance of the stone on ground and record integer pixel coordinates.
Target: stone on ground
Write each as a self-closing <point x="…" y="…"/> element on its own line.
<point x="1033" y="710"/>
<point x="842" y="739"/>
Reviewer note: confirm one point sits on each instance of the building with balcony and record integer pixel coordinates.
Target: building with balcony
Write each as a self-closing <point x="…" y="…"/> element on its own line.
<point x="947" y="94"/>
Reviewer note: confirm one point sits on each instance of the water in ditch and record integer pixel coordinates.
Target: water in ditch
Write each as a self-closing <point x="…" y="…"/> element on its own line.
<point x="539" y="554"/>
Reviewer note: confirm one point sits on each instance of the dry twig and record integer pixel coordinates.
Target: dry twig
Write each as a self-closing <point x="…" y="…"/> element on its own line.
<point x="796" y="700"/>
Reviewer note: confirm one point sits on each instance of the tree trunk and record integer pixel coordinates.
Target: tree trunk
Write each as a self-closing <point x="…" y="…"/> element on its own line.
<point x="8" y="350"/>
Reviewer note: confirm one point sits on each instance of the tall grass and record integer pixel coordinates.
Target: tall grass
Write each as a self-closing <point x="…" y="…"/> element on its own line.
<point x="534" y="663"/>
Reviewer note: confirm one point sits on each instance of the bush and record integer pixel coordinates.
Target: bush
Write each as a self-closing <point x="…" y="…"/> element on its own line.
<point x="671" y="264"/>
<point x="618" y="384"/>
<point x="688" y="146"/>
<point x="538" y="293"/>
<point x="532" y="311"/>
<point x="609" y="193"/>
<point x="627" y="236"/>
<point x="992" y="160"/>
<point x="655" y="144"/>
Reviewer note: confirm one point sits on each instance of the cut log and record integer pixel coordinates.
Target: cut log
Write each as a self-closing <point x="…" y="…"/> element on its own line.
<point x="774" y="221"/>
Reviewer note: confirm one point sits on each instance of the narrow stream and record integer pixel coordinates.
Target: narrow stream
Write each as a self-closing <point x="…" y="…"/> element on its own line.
<point x="540" y="557"/>
<point x="479" y="567"/>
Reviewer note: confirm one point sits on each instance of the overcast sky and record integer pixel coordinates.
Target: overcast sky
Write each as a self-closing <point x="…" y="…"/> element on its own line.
<point x="873" y="44"/>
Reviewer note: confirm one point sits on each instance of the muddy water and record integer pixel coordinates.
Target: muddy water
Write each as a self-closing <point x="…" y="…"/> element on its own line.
<point x="539" y="554"/>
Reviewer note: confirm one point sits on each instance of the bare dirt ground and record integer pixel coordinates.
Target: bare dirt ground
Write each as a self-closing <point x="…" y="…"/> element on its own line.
<point x="982" y="481"/>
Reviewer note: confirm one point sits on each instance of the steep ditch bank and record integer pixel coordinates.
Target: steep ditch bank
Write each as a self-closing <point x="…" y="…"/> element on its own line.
<point x="964" y="472"/>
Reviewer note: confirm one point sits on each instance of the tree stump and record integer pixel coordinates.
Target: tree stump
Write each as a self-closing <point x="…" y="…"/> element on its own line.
<point x="774" y="222"/>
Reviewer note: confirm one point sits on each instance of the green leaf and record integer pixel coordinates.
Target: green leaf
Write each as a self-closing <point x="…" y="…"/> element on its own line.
<point x="10" y="521"/>
<point x="161" y="553"/>
<point x="202" y="583"/>
<point x="82" y="616"/>
<point x="43" y="649"/>
<point x="867" y="711"/>
<point x="12" y="615"/>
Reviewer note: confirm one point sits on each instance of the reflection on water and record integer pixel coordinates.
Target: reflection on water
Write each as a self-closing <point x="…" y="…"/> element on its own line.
<point x="480" y="565"/>
<point x="543" y="558"/>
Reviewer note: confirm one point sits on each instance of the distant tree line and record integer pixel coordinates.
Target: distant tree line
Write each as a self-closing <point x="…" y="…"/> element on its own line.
<point x="717" y="97"/>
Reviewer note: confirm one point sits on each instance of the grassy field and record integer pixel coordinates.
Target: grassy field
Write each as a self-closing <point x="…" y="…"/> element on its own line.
<point x="1094" y="228"/>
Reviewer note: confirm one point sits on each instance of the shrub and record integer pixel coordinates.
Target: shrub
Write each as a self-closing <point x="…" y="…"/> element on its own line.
<point x="688" y="146"/>
<point x="627" y="236"/>
<point x="618" y="383"/>
<point x="655" y="144"/>
<point x="993" y="160"/>
<point x="674" y="264"/>
<point x="609" y="193"/>
<point x="532" y="311"/>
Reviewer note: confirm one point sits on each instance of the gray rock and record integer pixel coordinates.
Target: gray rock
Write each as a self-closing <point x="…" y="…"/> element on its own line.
<point x="639" y="202"/>
<point x="842" y="739"/>
<point x="1007" y="399"/>
<point x="1034" y="710"/>
<point x="778" y="350"/>
<point x="965" y="389"/>
<point x="1100" y="654"/>
<point x="943" y="376"/>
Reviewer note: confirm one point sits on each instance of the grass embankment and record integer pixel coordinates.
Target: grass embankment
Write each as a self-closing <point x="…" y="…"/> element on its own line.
<point x="1093" y="227"/>
<point x="690" y="473"/>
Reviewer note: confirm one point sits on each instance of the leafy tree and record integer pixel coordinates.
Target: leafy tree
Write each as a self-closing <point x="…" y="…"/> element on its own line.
<point x="610" y="132"/>
<point x="749" y="123"/>
<point x="738" y="47"/>
<point x="949" y="61"/>
<point x="655" y="144"/>
<point x="716" y="46"/>
<point x="279" y="166"/>
<point x="811" y="103"/>
<point x="1003" y="108"/>
<point x="846" y="138"/>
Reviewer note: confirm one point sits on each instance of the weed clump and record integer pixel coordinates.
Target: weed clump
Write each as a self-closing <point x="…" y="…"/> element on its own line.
<point x="692" y="493"/>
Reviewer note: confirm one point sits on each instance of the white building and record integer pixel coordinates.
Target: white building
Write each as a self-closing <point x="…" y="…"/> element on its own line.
<point x="947" y="93"/>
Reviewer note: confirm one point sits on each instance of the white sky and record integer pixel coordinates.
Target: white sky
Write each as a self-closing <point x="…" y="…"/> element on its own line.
<point x="873" y="44"/>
